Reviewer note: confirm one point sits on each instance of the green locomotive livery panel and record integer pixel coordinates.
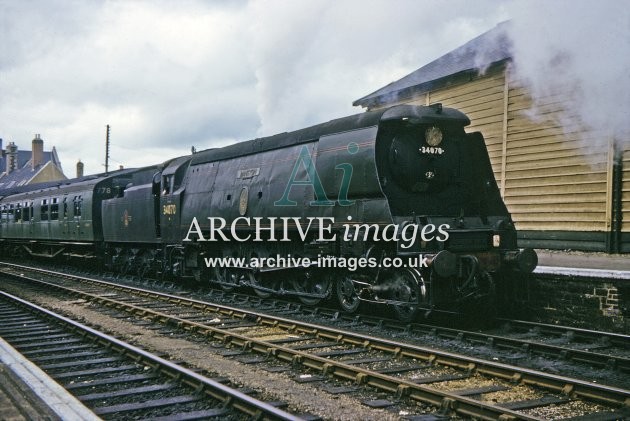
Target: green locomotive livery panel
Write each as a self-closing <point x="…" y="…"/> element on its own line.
<point x="127" y="219"/>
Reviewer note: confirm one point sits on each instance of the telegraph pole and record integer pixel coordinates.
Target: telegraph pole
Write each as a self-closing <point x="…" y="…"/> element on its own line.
<point x="107" y="150"/>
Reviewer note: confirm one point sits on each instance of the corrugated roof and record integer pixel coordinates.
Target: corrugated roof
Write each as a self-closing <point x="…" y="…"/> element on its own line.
<point x="488" y="48"/>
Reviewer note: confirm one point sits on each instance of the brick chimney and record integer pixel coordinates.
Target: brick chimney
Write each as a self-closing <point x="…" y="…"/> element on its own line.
<point x="79" y="169"/>
<point x="12" y="158"/>
<point x="38" y="152"/>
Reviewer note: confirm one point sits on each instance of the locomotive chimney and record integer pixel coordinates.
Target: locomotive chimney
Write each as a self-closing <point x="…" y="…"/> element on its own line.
<point x="38" y="152"/>
<point x="11" y="154"/>
<point x="79" y="169"/>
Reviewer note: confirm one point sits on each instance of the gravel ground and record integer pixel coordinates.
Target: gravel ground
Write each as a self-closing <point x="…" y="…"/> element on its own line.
<point x="302" y="398"/>
<point x="311" y="399"/>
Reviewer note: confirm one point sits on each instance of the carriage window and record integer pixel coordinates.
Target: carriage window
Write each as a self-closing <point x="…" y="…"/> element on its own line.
<point x="3" y="213"/>
<point x="26" y="212"/>
<point x="54" y="210"/>
<point x="31" y="213"/>
<point x="65" y="207"/>
<point x="18" y="213"/>
<point x="44" y="210"/>
<point x="10" y="214"/>
<point x="78" y="204"/>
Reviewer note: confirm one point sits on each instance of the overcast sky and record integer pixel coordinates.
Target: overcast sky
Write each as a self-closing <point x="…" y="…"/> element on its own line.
<point x="167" y="75"/>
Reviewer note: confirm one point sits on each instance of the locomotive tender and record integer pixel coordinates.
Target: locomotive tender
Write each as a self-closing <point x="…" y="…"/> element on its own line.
<point x="397" y="206"/>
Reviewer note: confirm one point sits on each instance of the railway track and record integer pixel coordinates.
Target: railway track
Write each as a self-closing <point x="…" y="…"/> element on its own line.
<point x="457" y="384"/>
<point x="117" y="380"/>
<point x="513" y="334"/>
<point x="606" y="350"/>
<point x="572" y="333"/>
<point x="595" y="348"/>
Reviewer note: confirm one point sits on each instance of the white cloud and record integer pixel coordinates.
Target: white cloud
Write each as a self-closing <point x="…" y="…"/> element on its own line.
<point x="167" y="76"/>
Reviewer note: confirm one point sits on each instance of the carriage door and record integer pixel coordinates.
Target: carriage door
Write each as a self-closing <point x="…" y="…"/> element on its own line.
<point x="64" y="213"/>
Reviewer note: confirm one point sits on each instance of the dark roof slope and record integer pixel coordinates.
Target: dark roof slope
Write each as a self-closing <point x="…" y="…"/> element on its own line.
<point x="135" y="175"/>
<point x="22" y="158"/>
<point x="488" y="48"/>
<point x="24" y="171"/>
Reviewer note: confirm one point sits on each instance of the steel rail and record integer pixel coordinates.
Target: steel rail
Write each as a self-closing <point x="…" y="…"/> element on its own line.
<point x="504" y="342"/>
<point x="617" y="339"/>
<point x="402" y="388"/>
<point x="529" y="346"/>
<point x="235" y="399"/>
<point x="576" y="388"/>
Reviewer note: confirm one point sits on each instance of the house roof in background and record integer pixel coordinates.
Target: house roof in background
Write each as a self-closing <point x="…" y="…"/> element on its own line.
<point x="25" y="172"/>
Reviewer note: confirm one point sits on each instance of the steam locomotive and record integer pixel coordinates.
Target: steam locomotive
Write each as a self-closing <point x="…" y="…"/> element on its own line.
<point x="397" y="207"/>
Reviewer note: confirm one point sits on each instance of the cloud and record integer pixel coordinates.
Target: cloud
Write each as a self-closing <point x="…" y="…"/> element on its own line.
<point x="167" y="77"/>
<point x="311" y="61"/>
<point x="160" y="77"/>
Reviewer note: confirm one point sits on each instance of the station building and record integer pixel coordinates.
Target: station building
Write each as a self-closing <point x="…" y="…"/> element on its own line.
<point x="561" y="194"/>
<point x="23" y="167"/>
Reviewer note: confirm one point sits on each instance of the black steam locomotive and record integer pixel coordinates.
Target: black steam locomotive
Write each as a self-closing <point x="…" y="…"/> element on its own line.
<point x="397" y="206"/>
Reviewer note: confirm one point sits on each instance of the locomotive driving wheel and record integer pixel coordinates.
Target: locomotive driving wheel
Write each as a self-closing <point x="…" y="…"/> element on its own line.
<point x="408" y="286"/>
<point x="347" y="296"/>
<point x="311" y="282"/>
<point x="227" y="278"/>
<point x="258" y="281"/>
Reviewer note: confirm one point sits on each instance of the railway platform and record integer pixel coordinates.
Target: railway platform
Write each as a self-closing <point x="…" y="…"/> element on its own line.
<point x="27" y="393"/>
<point x="583" y="264"/>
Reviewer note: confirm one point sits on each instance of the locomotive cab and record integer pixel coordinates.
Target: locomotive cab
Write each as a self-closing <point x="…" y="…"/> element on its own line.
<point x="171" y="194"/>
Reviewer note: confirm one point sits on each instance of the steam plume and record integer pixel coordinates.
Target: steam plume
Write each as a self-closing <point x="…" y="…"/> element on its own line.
<point x="579" y="50"/>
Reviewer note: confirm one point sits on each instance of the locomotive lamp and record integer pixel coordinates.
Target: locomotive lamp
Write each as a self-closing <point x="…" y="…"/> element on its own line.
<point x="433" y="136"/>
